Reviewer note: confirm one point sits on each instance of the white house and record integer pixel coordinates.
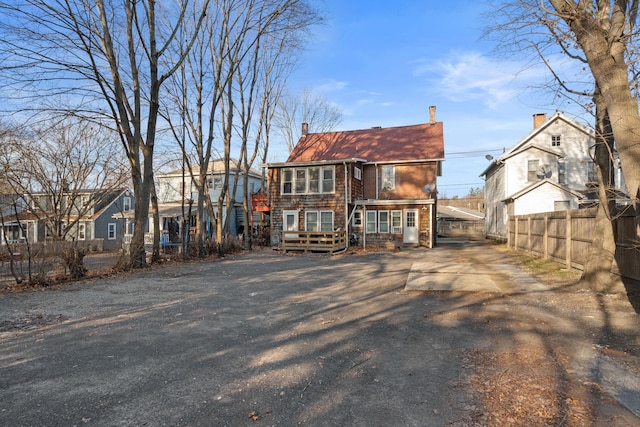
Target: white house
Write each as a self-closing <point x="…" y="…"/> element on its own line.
<point x="176" y="186"/>
<point x="550" y="169"/>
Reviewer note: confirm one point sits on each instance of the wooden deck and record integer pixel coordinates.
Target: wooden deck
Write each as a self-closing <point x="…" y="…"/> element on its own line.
<point x="314" y="241"/>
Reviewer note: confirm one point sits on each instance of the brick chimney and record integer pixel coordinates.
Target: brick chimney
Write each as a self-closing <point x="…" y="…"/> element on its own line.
<point x="305" y="129"/>
<point x="539" y="119"/>
<point x="432" y="114"/>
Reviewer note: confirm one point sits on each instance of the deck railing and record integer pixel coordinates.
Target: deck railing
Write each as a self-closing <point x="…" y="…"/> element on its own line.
<point x="314" y="241"/>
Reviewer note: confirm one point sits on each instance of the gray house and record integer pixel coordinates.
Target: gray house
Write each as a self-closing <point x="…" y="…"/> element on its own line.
<point x="94" y="218"/>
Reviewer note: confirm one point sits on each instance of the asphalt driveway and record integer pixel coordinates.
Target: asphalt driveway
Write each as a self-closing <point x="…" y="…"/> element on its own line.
<point x="257" y="339"/>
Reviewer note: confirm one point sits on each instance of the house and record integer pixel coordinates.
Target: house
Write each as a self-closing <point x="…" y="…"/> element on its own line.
<point x="377" y="184"/>
<point x="176" y="188"/>
<point x="94" y="218"/>
<point x="550" y="169"/>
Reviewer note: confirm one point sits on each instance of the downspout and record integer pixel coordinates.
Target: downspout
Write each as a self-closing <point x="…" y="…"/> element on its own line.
<point x="377" y="181"/>
<point x="346" y="205"/>
<point x="364" y="226"/>
<point x="432" y="226"/>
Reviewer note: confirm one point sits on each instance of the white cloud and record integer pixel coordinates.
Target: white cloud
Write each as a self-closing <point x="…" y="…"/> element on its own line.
<point x="472" y="76"/>
<point x="331" y="86"/>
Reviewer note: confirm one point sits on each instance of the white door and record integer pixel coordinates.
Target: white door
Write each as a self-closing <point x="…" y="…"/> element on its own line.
<point x="290" y="222"/>
<point x="411" y="226"/>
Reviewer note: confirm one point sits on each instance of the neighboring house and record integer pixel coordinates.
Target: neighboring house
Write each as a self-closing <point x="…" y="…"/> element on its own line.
<point x="176" y="188"/>
<point x="97" y="220"/>
<point x="550" y="169"/>
<point x="378" y="183"/>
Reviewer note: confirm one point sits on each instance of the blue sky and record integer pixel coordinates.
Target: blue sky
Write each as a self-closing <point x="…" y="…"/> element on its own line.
<point x="384" y="63"/>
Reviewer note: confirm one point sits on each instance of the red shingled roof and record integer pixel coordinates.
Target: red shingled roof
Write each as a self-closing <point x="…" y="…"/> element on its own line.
<point x="403" y="143"/>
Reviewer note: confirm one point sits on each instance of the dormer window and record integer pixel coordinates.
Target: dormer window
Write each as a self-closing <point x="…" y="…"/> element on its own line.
<point x="555" y="140"/>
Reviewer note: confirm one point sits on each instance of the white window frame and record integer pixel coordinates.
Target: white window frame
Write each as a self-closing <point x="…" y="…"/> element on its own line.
<point x="318" y="222"/>
<point x="82" y="231"/>
<point x="328" y="184"/>
<point x="357" y="173"/>
<point x="299" y="180"/>
<point x="562" y="172"/>
<point x="356" y="220"/>
<point x="111" y="231"/>
<point x="396" y="221"/>
<point x="371" y="220"/>
<point x="556" y="140"/>
<point x="532" y="170"/>
<point x="126" y="203"/>
<point x="388" y="177"/>
<point x="384" y="222"/>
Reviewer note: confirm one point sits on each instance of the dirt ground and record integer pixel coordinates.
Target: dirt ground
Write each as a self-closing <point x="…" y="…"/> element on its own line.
<point x="265" y="338"/>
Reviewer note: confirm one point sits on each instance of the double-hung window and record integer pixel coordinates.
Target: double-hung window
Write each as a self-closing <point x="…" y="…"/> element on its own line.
<point x="532" y="170"/>
<point x="388" y="178"/>
<point x="328" y="180"/>
<point x="396" y="221"/>
<point x="301" y="181"/>
<point x="111" y="231"/>
<point x="314" y="180"/>
<point x="82" y="231"/>
<point x="319" y="221"/>
<point x="383" y="221"/>
<point x="371" y="222"/>
<point x="287" y="181"/>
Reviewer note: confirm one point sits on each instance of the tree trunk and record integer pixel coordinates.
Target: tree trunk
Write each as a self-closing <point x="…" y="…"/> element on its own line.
<point x="601" y="257"/>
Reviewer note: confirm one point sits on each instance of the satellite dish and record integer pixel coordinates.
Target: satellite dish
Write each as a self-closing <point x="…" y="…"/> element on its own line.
<point x="488" y="157"/>
<point x="543" y="171"/>
<point x="429" y="187"/>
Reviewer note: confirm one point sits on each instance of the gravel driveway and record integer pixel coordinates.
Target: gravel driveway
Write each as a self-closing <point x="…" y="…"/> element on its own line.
<point x="257" y="339"/>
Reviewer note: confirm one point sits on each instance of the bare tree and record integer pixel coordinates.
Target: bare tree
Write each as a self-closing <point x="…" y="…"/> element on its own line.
<point x="308" y="107"/>
<point x="59" y="172"/>
<point x="106" y="60"/>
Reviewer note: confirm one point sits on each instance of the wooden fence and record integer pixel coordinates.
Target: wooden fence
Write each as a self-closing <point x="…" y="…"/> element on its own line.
<point x="566" y="236"/>
<point x="314" y="241"/>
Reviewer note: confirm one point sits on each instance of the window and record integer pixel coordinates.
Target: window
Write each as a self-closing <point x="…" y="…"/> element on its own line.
<point x="371" y="222"/>
<point x="326" y="221"/>
<point x="396" y="221"/>
<point x="314" y="180"/>
<point x="84" y="201"/>
<point x="356" y="221"/>
<point x="311" y="180"/>
<point x="532" y="170"/>
<point x="383" y="221"/>
<point x="111" y="231"/>
<point x="301" y="181"/>
<point x="126" y="204"/>
<point x="561" y="205"/>
<point x="327" y="180"/>
<point x="287" y="181"/>
<point x="388" y="177"/>
<point x="311" y="221"/>
<point x="214" y="183"/>
<point x="562" y="173"/>
<point x="357" y="173"/>
<point x="555" y="140"/>
<point x="318" y="220"/>
<point x="82" y="230"/>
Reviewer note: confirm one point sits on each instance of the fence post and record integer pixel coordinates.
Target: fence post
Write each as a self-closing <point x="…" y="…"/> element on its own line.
<point x="545" y="237"/>
<point x="529" y="246"/>
<point x="515" y="235"/>
<point x="568" y="241"/>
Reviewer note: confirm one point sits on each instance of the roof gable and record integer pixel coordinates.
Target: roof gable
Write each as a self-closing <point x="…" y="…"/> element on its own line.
<point x="403" y="143"/>
<point x="544" y="182"/>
